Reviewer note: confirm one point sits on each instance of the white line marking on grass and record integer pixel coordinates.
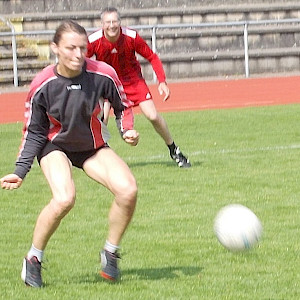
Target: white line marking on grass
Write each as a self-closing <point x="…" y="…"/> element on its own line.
<point x="259" y="149"/>
<point x="220" y="151"/>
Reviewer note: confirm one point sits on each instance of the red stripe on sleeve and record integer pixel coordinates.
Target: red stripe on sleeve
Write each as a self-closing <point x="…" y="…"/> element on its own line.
<point x="95" y="125"/>
<point x="55" y="128"/>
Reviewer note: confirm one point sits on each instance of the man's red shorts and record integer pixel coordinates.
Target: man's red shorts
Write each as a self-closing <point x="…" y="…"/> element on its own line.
<point x="138" y="92"/>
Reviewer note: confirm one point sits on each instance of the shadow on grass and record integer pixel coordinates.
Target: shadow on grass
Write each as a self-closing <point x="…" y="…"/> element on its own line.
<point x="163" y="273"/>
<point x="144" y="274"/>
<point x="168" y="164"/>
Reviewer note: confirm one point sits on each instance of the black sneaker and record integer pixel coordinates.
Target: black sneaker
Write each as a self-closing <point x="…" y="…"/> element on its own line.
<point x="31" y="272"/>
<point x="109" y="264"/>
<point x="181" y="160"/>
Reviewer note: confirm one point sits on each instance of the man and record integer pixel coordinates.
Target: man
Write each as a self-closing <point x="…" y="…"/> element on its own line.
<point x="63" y="128"/>
<point x="118" y="46"/>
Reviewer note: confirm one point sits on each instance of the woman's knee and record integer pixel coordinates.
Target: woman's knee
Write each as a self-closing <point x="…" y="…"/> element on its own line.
<point x="127" y="191"/>
<point x="133" y="190"/>
<point x="63" y="203"/>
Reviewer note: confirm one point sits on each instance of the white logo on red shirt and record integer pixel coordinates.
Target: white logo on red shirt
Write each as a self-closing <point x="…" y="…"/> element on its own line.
<point x="114" y="51"/>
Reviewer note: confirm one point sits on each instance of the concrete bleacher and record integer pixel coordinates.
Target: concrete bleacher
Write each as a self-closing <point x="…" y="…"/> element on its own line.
<point x="185" y="52"/>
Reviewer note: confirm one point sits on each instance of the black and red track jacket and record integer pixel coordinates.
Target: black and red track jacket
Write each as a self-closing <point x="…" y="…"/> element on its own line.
<point x="68" y="111"/>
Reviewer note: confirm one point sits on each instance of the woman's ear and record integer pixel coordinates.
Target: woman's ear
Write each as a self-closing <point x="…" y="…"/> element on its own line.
<point x="54" y="48"/>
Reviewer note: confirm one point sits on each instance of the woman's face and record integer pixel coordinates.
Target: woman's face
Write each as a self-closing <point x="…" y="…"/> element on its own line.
<point x="70" y="52"/>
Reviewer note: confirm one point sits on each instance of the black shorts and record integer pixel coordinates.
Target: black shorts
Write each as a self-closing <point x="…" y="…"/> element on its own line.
<point x="77" y="158"/>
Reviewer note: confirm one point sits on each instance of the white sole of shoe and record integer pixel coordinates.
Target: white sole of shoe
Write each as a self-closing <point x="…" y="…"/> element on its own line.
<point x="23" y="273"/>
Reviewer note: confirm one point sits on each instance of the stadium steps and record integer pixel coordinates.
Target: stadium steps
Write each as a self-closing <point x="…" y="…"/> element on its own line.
<point x="188" y="66"/>
<point x="193" y="52"/>
<point x="7" y="77"/>
<point x="224" y="38"/>
<point x="165" y="15"/>
<point x="3" y="27"/>
<point x="35" y="65"/>
<point x="28" y="65"/>
<point x="22" y="53"/>
<point x="227" y="63"/>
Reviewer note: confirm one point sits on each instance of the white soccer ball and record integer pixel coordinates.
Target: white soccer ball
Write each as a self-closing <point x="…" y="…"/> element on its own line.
<point x="237" y="227"/>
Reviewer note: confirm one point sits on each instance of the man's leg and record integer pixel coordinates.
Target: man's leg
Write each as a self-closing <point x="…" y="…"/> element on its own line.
<point x="161" y="127"/>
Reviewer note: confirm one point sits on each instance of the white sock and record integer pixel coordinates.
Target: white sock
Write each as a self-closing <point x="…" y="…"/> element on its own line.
<point x="110" y="247"/>
<point x="35" y="252"/>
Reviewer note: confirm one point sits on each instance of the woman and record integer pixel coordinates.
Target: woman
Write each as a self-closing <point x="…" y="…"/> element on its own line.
<point x="63" y="128"/>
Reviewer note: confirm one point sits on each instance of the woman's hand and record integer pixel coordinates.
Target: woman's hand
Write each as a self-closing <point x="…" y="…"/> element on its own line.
<point x="131" y="137"/>
<point x="11" y="182"/>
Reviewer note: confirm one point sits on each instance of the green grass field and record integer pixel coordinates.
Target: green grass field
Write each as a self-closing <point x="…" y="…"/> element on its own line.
<point x="248" y="156"/>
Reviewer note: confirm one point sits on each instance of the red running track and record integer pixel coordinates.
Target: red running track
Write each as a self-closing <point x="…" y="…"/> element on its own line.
<point x="198" y="95"/>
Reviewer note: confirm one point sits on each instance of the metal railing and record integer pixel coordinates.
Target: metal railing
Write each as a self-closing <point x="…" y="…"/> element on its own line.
<point x="243" y="24"/>
<point x="14" y="48"/>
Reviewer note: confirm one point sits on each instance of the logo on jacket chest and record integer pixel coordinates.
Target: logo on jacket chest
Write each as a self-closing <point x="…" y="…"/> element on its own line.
<point x="74" y="87"/>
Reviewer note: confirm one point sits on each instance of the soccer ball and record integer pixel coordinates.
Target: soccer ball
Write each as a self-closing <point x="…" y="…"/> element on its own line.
<point x="237" y="227"/>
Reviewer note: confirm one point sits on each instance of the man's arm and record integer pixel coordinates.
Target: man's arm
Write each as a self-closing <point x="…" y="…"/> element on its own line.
<point x="144" y="50"/>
